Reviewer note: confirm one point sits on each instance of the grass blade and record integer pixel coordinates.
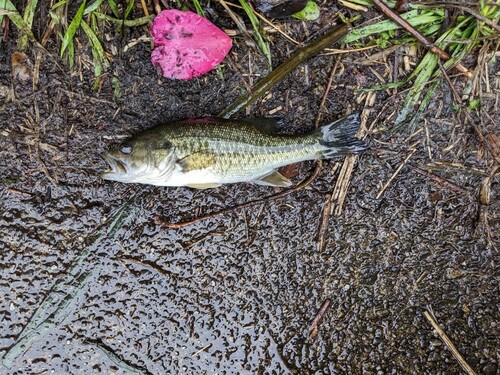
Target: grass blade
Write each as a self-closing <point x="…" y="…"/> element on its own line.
<point x="425" y="70"/>
<point x="9" y="10"/>
<point x="97" y="48"/>
<point x="58" y="4"/>
<point x="130" y="5"/>
<point x="29" y="14"/>
<point x="98" y="54"/>
<point x="414" y="17"/>
<point x="69" y="292"/>
<point x="71" y="54"/>
<point x="198" y="8"/>
<point x="264" y="47"/>
<point x="423" y="105"/>
<point x="73" y="27"/>
<point x="96" y="4"/>
<point x="114" y="8"/>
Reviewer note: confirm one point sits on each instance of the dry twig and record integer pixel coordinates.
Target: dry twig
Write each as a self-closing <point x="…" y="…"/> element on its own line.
<point x="396" y="172"/>
<point x="323" y="227"/>
<point x="327" y="91"/>
<point x="440" y="180"/>
<point x="446" y="340"/>
<point x="157" y="6"/>
<point x="319" y="316"/>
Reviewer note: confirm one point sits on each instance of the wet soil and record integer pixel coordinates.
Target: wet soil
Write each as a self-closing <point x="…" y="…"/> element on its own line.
<point x="237" y="294"/>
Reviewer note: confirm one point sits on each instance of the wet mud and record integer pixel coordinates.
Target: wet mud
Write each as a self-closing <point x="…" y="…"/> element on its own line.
<point x="237" y="293"/>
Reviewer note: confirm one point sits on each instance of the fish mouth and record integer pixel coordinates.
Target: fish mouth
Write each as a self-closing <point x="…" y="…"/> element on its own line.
<point x="117" y="169"/>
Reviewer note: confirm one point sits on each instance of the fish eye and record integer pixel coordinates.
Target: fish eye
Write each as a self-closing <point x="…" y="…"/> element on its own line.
<point x="126" y="149"/>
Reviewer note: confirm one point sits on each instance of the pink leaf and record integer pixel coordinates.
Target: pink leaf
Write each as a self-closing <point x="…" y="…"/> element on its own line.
<point x="186" y="44"/>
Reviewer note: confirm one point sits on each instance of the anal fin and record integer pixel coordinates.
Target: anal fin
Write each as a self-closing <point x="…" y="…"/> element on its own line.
<point x="203" y="186"/>
<point x="273" y="179"/>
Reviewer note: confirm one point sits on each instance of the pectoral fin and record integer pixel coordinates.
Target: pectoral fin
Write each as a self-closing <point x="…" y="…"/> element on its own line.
<point x="273" y="179"/>
<point x="196" y="161"/>
<point x="203" y="186"/>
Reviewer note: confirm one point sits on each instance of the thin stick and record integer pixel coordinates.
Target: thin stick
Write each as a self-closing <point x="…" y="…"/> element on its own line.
<point x="443" y="55"/>
<point x="19" y="192"/>
<point x="396" y="172"/>
<point x="202" y="349"/>
<point x="446" y="340"/>
<point x="237" y="70"/>
<point x="157" y="6"/>
<point x="323" y="226"/>
<point x="144" y="8"/>
<point x="247" y="230"/>
<point x="46" y="171"/>
<point x="235" y="19"/>
<point x="440" y="180"/>
<point x="336" y="51"/>
<point x="319" y="316"/>
<point x="127" y="366"/>
<point x="151" y="266"/>
<point x="281" y="194"/>
<point x="450" y="84"/>
<point x="327" y="91"/>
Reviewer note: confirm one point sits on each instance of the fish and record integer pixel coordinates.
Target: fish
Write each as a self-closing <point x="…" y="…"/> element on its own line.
<point x="207" y="152"/>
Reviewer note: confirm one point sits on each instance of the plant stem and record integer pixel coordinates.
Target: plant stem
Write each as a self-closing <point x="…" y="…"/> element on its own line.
<point x="286" y="67"/>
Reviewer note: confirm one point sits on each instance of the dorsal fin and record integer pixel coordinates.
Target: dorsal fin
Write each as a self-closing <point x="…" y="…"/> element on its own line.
<point x="269" y="125"/>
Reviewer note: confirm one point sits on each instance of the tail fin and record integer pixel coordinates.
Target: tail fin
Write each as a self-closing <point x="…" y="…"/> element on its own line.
<point x="339" y="137"/>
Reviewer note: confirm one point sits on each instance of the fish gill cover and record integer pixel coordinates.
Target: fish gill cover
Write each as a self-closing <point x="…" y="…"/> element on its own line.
<point x="186" y="44"/>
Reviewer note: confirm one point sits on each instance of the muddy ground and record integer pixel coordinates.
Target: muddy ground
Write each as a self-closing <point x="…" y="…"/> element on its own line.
<point x="237" y="293"/>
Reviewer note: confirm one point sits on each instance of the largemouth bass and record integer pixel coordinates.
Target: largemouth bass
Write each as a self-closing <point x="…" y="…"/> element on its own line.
<point x="207" y="152"/>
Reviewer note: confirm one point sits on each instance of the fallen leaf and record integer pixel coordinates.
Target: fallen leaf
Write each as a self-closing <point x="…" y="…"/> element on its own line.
<point x="290" y="170"/>
<point x="21" y="66"/>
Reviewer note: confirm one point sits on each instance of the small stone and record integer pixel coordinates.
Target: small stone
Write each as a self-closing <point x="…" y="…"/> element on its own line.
<point x="490" y="369"/>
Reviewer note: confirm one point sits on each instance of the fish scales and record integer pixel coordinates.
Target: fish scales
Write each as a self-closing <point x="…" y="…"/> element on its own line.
<point x="241" y="149"/>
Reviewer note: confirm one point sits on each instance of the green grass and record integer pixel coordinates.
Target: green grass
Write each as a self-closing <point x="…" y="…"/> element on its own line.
<point x="67" y="40"/>
<point x="466" y="35"/>
<point x="22" y="23"/>
<point x="264" y="47"/>
<point x="198" y="8"/>
<point x="88" y="20"/>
